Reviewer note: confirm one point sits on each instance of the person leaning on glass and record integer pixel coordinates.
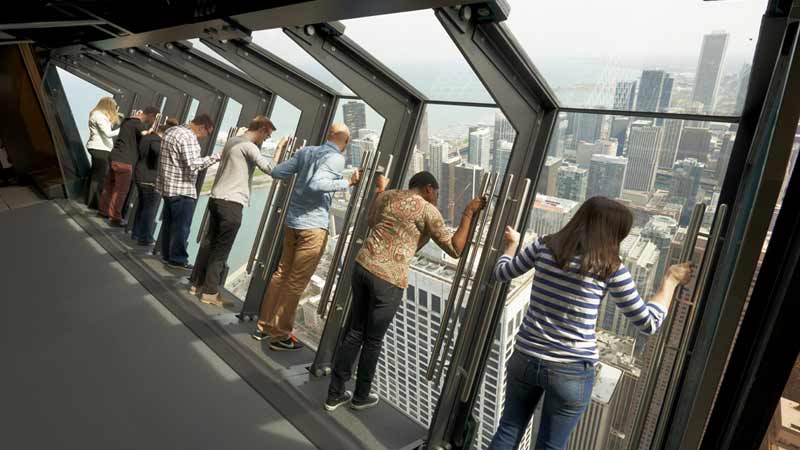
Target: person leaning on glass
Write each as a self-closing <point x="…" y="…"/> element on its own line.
<point x="556" y="350"/>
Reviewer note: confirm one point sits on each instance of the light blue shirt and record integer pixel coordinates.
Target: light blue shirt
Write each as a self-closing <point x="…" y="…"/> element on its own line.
<point x="319" y="175"/>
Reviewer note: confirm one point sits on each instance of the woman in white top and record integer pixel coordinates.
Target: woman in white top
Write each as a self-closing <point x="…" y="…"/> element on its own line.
<point x="103" y="120"/>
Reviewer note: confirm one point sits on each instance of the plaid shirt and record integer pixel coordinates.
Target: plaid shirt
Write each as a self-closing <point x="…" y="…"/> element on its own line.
<point x="179" y="163"/>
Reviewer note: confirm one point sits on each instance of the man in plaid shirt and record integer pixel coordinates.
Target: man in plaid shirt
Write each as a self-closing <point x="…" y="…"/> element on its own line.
<point x="178" y="165"/>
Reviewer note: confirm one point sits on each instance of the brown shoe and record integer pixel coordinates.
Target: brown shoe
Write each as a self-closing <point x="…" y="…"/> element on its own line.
<point x="212" y="299"/>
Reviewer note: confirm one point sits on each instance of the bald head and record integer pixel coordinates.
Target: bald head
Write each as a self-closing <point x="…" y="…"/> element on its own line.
<point x="339" y="134"/>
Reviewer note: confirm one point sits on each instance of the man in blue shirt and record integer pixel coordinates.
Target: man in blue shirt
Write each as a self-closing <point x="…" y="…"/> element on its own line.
<point x="319" y="176"/>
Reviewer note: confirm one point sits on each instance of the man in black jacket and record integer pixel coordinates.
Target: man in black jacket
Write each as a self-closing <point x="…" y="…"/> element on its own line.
<point x="123" y="157"/>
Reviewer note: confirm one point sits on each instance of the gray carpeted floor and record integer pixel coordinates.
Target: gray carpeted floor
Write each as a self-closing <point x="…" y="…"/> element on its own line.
<point x="91" y="361"/>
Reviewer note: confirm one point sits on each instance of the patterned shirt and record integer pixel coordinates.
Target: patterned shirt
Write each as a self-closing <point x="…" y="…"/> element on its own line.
<point x="179" y="163"/>
<point x="402" y="222"/>
<point x="562" y="315"/>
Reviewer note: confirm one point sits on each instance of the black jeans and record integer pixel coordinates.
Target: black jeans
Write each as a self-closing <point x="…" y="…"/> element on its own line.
<point x="144" y="220"/>
<point x="97" y="178"/>
<point x="224" y="220"/>
<point x="375" y="303"/>
<point x="177" y="222"/>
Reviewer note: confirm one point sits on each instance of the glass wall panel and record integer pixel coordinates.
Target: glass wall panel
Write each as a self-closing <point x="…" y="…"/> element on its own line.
<point x="683" y="55"/>
<point x="205" y="49"/>
<point x="230" y="118"/>
<point x="366" y="127"/>
<point x="82" y="97"/>
<point x="426" y="57"/>
<point x="192" y="110"/>
<point x="659" y="168"/>
<point x="458" y="144"/>
<point x="277" y="42"/>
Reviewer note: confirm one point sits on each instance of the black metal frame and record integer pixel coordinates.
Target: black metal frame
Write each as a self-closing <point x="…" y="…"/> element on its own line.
<point x="122" y="95"/>
<point x="531" y="107"/>
<point x="400" y="105"/>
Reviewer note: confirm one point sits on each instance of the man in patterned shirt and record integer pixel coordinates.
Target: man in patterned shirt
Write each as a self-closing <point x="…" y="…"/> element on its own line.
<point x="401" y="222"/>
<point x="178" y="164"/>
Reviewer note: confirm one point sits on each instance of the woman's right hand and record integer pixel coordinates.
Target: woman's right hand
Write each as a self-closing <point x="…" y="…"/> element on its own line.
<point x="511" y="237"/>
<point x="681" y="273"/>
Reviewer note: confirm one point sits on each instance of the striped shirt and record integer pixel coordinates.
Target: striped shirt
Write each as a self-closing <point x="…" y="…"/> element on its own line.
<point x="562" y="315"/>
<point x="179" y="162"/>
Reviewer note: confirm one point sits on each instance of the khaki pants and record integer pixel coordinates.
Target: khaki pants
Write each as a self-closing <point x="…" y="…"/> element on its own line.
<point x="302" y="250"/>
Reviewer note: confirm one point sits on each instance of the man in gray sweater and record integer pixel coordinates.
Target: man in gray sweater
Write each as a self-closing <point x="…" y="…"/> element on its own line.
<point x="230" y="193"/>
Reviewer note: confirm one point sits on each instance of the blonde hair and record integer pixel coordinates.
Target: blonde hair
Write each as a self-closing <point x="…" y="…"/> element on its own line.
<point x="108" y="106"/>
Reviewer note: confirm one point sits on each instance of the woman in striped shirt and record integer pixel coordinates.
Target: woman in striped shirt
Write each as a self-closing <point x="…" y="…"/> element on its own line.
<point x="556" y="347"/>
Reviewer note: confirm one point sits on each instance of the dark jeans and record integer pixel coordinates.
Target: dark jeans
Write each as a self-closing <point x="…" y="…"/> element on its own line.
<point x="567" y="390"/>
<point x="176" y="223"/>
<point x="224" y="220"/>
<point x="375" y="303"/>
<point x="97" y="178"/>
<point x="144" y="221"/>
<point x="7" y="176"/>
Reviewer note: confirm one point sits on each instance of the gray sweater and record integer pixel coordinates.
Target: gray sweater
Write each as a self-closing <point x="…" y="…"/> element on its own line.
<point x="235" y="174"/>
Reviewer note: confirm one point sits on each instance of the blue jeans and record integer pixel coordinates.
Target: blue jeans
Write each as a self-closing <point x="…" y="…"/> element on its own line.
<point x="144" y="221"/>
<point x="567" y="390"/>
<point x="175" y="226"/>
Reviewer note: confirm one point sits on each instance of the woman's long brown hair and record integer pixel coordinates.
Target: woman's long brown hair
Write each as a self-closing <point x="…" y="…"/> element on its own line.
<point x="594" y="234"/>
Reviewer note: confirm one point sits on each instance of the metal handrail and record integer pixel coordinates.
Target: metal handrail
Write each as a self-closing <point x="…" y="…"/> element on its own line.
<point x="456" y="287"/>
<point x="685" y="255"/>
<point x="288" y="152"/>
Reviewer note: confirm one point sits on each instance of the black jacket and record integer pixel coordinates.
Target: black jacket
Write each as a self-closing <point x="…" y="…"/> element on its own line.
<point x="147" y="166"/>
<point x="126" y="146"/>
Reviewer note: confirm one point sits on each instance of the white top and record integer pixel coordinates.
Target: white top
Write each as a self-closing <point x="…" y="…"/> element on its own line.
<point x="101" y="136"/>
<point x="4" y="162"/>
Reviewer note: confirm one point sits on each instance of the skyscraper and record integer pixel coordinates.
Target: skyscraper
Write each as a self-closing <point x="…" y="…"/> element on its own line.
<point x="439" y="151"/>
<point x="461" y="182"/>
<point x="400" y="373"/>
<point x="594" y="427"/>
<point x="666" y="95"/>
<point x="572" y="183"/>
<point x="641" y="257"/>
<point x="695" y="143"/>
<point x="673" y="128"/>
<point x="588" y="127"/>
<point x="619" y="131"/>
<point x="744" y="79"/>
<point x="709" y="69"/>
<point x="686" y="178"/>
<point x="724" y="157"/>
<point x="423" y="140"/>
<point x="558" y="143"/>
<point x="643" y="145"/>
<point x="624" y="95"/>
<point x="417" y="163"/>
<point x="502" y="154"/>
<point x="660" y="230"/>
<point x="480" y="147"/>
<point x="549" y="175"/>
<point x="503" y="131"/>
<point x="606" y="175"/>
<point x="355" y="115"/>
<point x="652" y="88"/>
<point x="599" y="147"/>
<point x="550" y="214"/>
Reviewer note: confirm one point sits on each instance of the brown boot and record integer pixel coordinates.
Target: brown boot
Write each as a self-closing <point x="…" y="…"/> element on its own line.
<point x="211" y="299"/>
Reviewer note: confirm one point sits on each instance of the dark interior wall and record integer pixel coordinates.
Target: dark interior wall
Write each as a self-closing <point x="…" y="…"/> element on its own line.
<point x="24" y="127"/>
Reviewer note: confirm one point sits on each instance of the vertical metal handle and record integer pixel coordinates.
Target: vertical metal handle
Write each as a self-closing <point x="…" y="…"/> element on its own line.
<point x="268" y="207"/>
<point x="455" y="287"/>
<point x="485" y="324"/>
<point x="368" y="160"/>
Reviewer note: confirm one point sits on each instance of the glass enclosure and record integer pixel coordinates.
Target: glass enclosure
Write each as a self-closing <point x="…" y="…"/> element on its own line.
<point x="683" y="55"/>
<point x="82" y="97"/>
<point x="426" y="58"/>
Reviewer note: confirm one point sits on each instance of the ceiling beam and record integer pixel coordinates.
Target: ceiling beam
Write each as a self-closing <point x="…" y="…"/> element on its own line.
<point x="52" y="24"/>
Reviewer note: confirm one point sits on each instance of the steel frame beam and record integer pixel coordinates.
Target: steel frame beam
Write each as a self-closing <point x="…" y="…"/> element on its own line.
<point x="176" y="98"/>
<point x="123" y="96"/>
<point x="531" y="107"/>
<point x="401" y="107"/>
<point x="255" y="100"/>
